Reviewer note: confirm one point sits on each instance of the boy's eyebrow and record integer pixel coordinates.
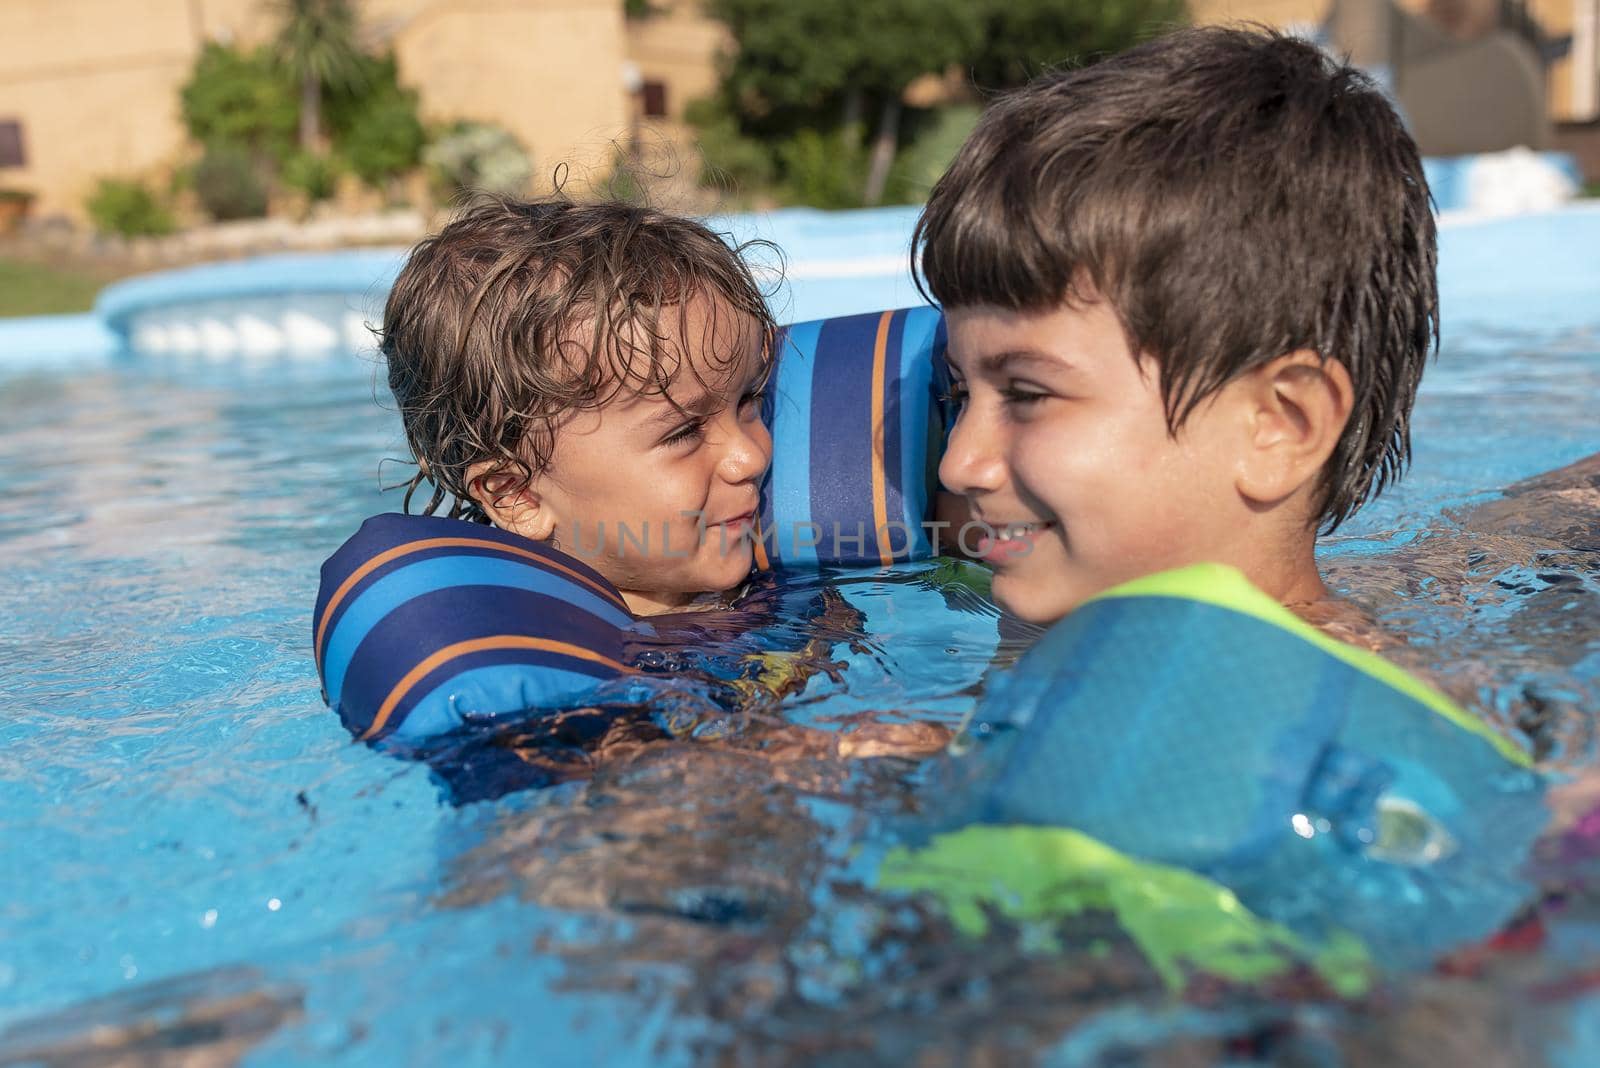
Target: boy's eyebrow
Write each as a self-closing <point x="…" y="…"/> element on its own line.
<point x="673" y="411"/>
<point x="995" y="362"/>
<point x="702" y="403"/>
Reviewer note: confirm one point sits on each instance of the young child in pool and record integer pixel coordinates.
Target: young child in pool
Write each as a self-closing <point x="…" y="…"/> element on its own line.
<point x="589" y="376"/>
<point x="1190" y="292"/>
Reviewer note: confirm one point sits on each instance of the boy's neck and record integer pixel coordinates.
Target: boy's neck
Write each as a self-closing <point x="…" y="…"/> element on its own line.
<point x="647" y="603"/>
<point x="1295" y="581"/>
<point x="1278" y="553"/>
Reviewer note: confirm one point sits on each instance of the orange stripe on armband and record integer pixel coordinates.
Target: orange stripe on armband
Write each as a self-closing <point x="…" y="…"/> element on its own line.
<point x="478" y="645"/>
<point x="443" y="543"/>
<point x="758" y="545"/>
<point x="880" y="497"/>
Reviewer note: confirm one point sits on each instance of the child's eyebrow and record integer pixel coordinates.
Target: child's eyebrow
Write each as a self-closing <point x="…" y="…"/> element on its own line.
<point x="674" y="411"/>
<point x="996" y="362"/>
<point x="702" y="403"/>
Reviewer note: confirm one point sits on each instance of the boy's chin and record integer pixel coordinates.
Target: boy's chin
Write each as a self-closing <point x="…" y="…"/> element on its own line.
<point x="1030" y="601"/>
<point x="728" y="571"/>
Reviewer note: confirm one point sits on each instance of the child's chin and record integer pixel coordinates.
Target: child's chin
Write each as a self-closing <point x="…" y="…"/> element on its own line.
<point x="731" y="570"/>
<point x="1028" y="602"/>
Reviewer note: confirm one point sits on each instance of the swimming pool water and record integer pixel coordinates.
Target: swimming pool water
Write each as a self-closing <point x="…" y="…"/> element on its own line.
<point x="194" y="857"/>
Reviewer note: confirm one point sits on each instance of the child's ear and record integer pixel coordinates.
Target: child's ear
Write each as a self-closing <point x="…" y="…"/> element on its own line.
<point x="513" y="507"/>
<point x="1299" y="404"/>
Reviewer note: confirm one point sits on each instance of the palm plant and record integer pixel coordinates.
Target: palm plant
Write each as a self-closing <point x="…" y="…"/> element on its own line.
<point x="317" y="43"/>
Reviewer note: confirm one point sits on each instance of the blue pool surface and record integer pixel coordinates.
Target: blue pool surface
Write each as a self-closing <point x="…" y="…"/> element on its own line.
<point x="194" y="855"/>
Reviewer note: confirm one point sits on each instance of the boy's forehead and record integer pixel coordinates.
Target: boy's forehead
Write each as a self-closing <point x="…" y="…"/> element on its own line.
<point x="979" y="332"/>
<point x="985" y="338"/>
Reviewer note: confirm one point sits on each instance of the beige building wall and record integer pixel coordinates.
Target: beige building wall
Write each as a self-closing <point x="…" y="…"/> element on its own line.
<point x="678" y="46"/>
<point x="675" y="49"/>
<point x="95" y="83"/>
<point x="1280" y="13"/>
<point x="551" y="71"/>
<point x="93" y="87"/>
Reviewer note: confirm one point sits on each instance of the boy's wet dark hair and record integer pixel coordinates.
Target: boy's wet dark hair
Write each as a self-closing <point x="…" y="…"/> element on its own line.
<point x="519" y="313"/>
<point x="1236" y="195"/>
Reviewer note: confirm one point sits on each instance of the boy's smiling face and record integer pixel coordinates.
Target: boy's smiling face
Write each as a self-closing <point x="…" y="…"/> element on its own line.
<point x="680" y="473"/>
<point x="1062" y="437"/>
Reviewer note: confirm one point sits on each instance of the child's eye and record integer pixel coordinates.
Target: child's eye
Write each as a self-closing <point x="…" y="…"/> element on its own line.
<point x="1017" y="394"/>
<point x="752" y="400"/>
<point x="686" y="433"/>
<point x="957" y="394"/>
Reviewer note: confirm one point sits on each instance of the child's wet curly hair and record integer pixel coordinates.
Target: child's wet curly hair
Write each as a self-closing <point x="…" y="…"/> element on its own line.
<point x="519" y="313"/>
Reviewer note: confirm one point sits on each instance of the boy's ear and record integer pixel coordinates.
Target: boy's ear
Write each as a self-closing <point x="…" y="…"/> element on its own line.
<point x="511" y="507"/>
<point x="1299" y="405"/>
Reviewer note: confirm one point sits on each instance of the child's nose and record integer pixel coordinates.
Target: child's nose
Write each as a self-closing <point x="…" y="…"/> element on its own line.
<point x="747" y="451"/>
<point x="972" y="460"/>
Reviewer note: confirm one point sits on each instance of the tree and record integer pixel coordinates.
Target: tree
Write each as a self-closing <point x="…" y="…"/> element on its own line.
<point x="804" y="71"/>
<point x="901" y="41"/>
<point x="1021" y="39"/>
<point x="317" y="44"/>
<point x="803" y="66"/>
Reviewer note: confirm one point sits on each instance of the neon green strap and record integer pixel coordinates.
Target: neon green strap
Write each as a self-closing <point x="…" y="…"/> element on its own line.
<point x="1179" y="920"/>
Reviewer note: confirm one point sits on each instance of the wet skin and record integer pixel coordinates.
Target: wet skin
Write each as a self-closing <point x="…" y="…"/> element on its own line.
<point x="1062" y="446"/>
<point x="657" y="489"/>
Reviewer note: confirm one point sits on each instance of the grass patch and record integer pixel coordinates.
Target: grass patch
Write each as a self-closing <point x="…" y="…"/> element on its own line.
<point x="36" y="289"/>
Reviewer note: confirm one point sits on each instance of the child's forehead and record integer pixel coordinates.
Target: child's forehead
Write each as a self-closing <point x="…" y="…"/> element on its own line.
<point x="704" y="343"/>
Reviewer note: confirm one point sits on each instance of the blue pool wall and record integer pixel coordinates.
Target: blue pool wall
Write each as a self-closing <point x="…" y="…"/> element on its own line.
<point x="1497" y="273"/>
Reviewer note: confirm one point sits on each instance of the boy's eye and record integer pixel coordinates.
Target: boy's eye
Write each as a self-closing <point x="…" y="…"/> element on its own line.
<point x="1017" y="393"/>
<point x="753" y="398"/>
<point x="957" y="394"/>
<point x="688" y="432"/>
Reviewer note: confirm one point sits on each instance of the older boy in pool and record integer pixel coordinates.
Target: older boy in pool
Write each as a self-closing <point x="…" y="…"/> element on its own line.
<point x="1190" y="291"/>
<point x="589" y="376"/>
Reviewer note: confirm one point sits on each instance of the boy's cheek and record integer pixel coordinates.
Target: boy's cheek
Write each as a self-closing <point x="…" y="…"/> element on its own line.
<point x="952" y="508"/>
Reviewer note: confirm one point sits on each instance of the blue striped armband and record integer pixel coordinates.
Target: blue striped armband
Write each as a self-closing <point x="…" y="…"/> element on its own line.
<point x="425" y="624"/>
<point x="857" y="431"/>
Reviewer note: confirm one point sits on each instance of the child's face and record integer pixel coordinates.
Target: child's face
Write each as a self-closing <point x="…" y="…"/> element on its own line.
<point x="661" y="502"/>
<point x="1063" y="433"/>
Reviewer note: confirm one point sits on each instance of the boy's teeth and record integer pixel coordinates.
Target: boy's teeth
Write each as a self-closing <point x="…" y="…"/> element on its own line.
<point x="1018" y="530"/>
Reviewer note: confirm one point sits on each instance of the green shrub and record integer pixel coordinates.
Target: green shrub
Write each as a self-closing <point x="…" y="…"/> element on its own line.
<point x="375" y="125"/>
<point x="389" y="141"/>
<point x="627" y="182"/>
<point x="730" y="161"/>
<point x="315" y="176"/>
<point x="241" y="98"/>
<point x="928" y="156"/>
<point x="228" y="180"/>
<point x="822" y="170"/>
<point x="129" y="208"/>
<point x="474" y="155"/>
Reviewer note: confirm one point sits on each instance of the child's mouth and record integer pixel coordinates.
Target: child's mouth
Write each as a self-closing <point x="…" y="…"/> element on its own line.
<point x="739" y="525"/>
<point x="1011" y="541"/>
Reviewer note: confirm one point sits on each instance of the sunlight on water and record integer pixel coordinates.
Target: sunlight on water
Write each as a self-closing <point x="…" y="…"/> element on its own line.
<point x="197" y="858"/>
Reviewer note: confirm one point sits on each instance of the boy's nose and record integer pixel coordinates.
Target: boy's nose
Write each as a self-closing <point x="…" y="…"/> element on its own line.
<point x="747" y="452"/>
<point x="972" y="462"/>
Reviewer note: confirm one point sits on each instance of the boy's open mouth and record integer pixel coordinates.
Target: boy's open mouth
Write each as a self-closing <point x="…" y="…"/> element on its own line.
<point x="1010" y="541"/>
